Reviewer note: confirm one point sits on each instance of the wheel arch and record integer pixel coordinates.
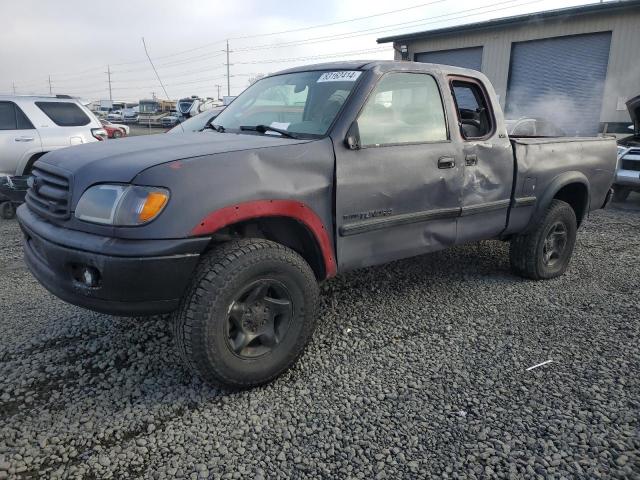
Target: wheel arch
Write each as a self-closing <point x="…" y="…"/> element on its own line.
<point x="570" y="187"/>
<point x="25" y="166"/>
<point x="290" y="223"/>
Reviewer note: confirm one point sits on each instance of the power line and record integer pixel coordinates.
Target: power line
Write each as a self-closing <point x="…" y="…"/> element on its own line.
<point x="277" y="60"/>
<point x="386" y="28"/>
<point x="340" y="22"/>
<point x="390" y="12"/>
<point x="315" y="57"/>
<point x="154" y="68"/>
<point x="345" y="35"/>
<point x="175" y="63"/>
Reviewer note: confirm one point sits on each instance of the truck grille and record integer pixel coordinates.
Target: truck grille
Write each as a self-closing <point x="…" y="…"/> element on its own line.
<point x="631" y="160"/>
<point x="631" y="165"/>
<point x="49" y="194"/>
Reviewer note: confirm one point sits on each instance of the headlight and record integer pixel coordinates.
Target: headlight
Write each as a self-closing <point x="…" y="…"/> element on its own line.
<point x="121" y="205"/>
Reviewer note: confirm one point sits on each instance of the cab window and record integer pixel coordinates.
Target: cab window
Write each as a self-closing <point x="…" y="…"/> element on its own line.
<point x="403" y="108"/>
<point x="474" y="116"/>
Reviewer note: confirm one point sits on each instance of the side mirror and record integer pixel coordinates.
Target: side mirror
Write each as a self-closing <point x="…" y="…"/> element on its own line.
<point x="352" y="140"/>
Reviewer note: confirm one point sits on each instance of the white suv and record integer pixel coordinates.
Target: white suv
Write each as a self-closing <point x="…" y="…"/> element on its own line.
<point x="31" y="126"/>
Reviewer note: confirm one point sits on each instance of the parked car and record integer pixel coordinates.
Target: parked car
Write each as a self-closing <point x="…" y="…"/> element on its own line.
<point x="115" y="130"/>
<point x="171" y="120"/>
<point x="31" y="126"/>
<point x="533" y="127"/>
<point x="310" y="172"/>
<point x="197" y="123"/>
<point x="130" y="115"/>
<point x="628" y="170"/>
<point x="115" y="116"/>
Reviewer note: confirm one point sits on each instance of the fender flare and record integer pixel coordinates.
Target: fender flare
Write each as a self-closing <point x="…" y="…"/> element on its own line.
<point x="24" y="161"/>
<point x="296" y="210"/>
<point x="554" y="187"/>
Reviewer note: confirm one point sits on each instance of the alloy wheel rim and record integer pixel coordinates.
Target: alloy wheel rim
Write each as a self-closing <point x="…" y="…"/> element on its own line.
<point x="258" y="319"/>
<point x="555" y="244"/>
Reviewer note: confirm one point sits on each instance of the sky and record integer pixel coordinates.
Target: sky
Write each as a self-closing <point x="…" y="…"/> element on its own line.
<point x="74" y="42"/>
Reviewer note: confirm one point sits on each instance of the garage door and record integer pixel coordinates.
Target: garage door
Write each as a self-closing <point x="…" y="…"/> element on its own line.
<point x="561" y="80"/>
<point x="461" y="57"/>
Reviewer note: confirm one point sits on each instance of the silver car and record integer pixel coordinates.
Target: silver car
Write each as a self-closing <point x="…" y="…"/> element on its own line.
<point x="628" y="169"/>
<point x="31" y="126"/>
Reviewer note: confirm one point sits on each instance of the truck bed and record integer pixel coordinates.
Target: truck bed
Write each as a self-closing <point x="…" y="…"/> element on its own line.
<point x="543" y="163"/>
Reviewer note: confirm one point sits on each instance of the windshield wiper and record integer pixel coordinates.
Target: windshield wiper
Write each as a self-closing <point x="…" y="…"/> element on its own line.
<point x="268" y="128"/>
<point x="213" y="126"/>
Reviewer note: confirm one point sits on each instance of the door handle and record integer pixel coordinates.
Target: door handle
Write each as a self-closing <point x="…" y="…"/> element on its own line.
<point x="471" y="160"/>
<point x="446" y="162"/>
<point x="23" y="139"/>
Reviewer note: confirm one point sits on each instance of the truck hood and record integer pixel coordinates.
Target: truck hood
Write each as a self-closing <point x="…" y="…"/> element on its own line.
<point x="121" y="160"/>
<point x="633" y="106"/>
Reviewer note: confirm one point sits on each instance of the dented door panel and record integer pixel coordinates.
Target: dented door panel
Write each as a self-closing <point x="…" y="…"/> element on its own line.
<point x="486" y="189"/>
<point x="394" y="202"/>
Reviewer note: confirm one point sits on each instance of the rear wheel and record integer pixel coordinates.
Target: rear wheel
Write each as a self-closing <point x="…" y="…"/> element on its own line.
<point x="620" y="194"/>
<point x="248" y="314"/>
<point x="546" y="251"/>
<point x="117" y="134"/>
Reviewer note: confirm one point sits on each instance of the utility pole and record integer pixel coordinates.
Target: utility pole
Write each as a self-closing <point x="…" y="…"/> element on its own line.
<point x="13" y="84"/>
<point x="50" y="89"/>
<point x="218" y="87"/>
<point x="228" y="76"/>
<point x="109" y="79"/>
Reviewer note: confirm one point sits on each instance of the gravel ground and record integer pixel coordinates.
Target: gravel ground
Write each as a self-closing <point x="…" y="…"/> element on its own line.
<point x="417" y="369"/>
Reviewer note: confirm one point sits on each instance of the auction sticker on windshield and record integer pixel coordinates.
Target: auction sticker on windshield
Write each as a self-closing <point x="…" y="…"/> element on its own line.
<point x="343" y="76"/>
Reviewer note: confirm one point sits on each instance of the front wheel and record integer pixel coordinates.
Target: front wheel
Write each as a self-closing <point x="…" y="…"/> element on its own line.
<point x="117" y="134"/>
<point x="545" y="252"/>
<point x="248" y="314"/>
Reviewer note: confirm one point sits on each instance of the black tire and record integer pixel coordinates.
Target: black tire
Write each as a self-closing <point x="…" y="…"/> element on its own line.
<point x="620" y="194"/>
<point x="207" y="330"/>
<point x="7" y="211"/>
<point x="540" y="254"/>
<point x="117" y="134"/>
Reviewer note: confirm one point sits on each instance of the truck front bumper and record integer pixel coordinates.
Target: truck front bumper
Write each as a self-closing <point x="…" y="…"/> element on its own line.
<point x="109" y="275"/>
<point x="628" y="178"/>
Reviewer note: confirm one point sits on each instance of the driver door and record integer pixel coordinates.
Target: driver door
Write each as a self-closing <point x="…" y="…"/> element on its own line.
<point x="398" y="192"/>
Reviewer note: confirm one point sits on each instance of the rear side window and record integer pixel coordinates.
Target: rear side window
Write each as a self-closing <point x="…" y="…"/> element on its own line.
<point x="13" y="118"/>
<point x="64" y="114"/>
<point x="474" y="115"/>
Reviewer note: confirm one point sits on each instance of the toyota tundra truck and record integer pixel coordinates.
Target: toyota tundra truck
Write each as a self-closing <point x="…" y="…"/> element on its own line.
<point x="310" y="172"/>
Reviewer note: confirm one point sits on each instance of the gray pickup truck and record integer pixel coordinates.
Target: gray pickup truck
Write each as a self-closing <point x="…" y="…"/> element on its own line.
<point x="310" y="172"/>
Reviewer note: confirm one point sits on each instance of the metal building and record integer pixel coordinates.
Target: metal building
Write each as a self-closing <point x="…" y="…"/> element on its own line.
<point x="575" y="66"/>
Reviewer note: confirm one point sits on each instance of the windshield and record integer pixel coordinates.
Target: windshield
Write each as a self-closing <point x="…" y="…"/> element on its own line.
<point x="197" y="123"/>
<point x="149" y="107"/>
<point x="303" y="103"/>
